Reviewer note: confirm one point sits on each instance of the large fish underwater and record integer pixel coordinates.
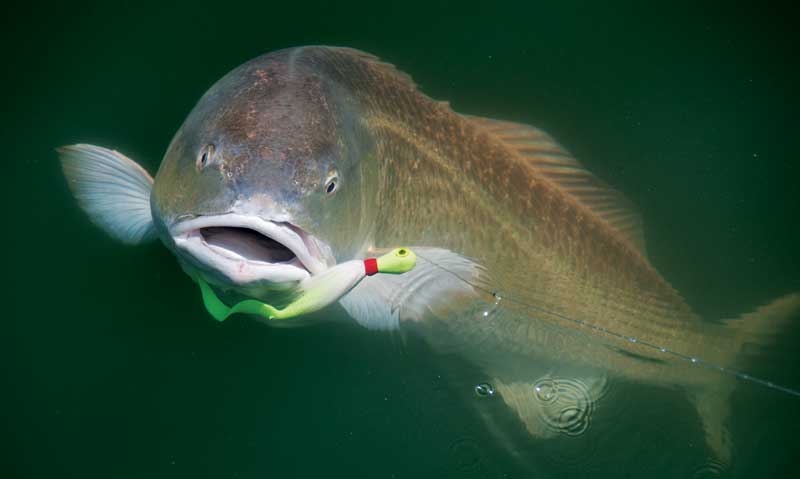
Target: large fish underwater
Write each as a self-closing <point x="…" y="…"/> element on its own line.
<point x="297" y="165"/>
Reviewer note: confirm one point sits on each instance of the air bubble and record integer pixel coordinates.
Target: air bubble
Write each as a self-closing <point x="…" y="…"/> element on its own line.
<point x="484" y="390"/>
<point x="493" y="307"/>
<point x="545" y="390"/>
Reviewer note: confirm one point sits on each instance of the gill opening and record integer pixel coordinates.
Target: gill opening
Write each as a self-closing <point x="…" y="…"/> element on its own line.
<point x="694" y="360"/>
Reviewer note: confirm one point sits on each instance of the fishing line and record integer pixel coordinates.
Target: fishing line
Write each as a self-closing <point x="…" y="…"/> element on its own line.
<point x="630" y="339"/>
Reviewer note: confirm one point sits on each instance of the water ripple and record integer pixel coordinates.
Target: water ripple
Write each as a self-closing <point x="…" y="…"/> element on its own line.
<point x="712" y="469"/>
<point x="566" y="404"/>
<point x="466" y="455"/>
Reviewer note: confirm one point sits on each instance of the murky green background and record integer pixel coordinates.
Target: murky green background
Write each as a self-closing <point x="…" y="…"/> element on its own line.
<point x="111" y="367"/>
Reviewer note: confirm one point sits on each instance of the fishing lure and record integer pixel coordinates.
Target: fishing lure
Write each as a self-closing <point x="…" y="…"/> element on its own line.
<point x="317" y="291"/>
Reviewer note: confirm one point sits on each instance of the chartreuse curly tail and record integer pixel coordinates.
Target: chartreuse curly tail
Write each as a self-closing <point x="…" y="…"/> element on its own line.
<point x="317" y="291"/>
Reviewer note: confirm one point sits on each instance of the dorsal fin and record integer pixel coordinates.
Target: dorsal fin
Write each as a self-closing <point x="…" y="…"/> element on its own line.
<point x="552" y="162"/>
<point x="380" y="65"/>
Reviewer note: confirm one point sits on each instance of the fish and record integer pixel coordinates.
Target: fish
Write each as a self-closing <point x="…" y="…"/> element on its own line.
<point x="311" y="157"/>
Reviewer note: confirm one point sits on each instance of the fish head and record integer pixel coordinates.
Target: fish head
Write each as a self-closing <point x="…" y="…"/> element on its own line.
<point x="261" y="187"/>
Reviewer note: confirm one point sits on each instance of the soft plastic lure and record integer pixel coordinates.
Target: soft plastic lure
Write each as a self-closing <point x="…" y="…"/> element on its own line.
<point x="317" y="291"/>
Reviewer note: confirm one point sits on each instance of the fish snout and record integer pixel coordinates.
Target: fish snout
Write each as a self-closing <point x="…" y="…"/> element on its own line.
<point x="243" y="250"/>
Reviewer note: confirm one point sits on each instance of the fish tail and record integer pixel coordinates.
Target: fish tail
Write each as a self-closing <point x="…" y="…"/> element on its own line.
<point x="746" y="342"/>
<point x="755" y="332"/>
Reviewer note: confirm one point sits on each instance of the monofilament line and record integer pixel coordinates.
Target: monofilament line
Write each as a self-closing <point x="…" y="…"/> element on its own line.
<point x="664" y="350"/>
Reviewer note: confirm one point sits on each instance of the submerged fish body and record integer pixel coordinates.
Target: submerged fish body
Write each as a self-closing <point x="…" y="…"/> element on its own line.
<point x="310" y="157"/>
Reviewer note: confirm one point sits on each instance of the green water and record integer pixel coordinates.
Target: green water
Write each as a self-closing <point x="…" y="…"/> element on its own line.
<point x="111" y="367"/>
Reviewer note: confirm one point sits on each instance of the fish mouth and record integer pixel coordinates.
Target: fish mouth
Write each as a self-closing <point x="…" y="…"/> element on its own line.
<point x="246" y="249"/>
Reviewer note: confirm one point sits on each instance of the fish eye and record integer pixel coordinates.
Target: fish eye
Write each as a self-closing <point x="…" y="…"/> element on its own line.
<point x="332" y="183"/>
<point x="206" y="155"/>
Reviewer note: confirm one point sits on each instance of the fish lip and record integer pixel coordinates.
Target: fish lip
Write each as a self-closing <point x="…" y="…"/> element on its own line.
<point x="187" y="237"/>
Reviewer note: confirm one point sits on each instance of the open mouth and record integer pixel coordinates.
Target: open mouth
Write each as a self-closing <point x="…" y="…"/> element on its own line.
<point x="245" y="249"/>
<point x="245" y="244"/>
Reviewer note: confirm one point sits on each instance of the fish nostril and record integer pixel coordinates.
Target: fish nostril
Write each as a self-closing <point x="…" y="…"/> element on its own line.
<point x="331" y="185"/>
<point x="331" y="182"/>
<point x="206" y="156"/>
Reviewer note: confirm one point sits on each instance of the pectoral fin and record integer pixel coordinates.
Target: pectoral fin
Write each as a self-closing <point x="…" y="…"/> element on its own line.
<point x="439" y="278"/>
<point x="112" y="189"/>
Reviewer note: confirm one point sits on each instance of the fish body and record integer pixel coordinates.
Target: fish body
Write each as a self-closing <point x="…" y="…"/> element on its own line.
<point x="306" y="158"/>
<point x="546" y="231"/>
